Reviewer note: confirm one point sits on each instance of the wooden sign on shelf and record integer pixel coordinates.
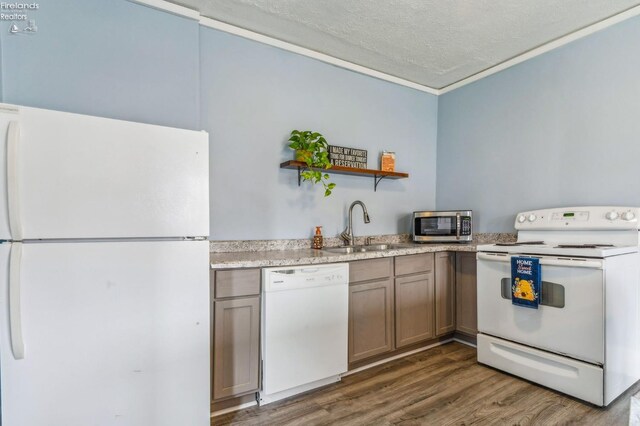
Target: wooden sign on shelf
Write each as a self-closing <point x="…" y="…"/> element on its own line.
<point x="348" y="157"/>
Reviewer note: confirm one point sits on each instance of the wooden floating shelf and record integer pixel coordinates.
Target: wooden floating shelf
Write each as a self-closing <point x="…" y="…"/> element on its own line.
<point x="378" y="175"/>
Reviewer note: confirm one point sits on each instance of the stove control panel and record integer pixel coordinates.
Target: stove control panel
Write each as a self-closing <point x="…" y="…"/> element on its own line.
<point x="580" y="218"/>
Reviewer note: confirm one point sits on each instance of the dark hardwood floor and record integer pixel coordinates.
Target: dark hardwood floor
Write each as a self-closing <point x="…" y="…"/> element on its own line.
<point x="441" y="386"/>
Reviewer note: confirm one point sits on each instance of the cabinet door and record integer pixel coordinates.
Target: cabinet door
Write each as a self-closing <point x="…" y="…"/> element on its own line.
<point x="445" y="293"/>
<point x="236" y="348"/>
<point x="466" y="294"/>
<point x="414" y="309"/>
<point x="370" y="319"/>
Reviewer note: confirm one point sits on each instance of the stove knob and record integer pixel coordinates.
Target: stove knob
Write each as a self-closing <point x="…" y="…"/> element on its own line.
<point x="532" y="217"/>
<point x="612" y="215"/>
<point x="628" y="216"/>
<point x="522" y="218"/>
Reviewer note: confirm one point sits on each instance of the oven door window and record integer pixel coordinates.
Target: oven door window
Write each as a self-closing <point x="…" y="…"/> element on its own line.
<point x="435" y="226"/>
<point x="552" y="294"/>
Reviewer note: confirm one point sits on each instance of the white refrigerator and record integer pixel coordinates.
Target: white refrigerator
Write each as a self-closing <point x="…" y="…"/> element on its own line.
<point x="104" y="289"/>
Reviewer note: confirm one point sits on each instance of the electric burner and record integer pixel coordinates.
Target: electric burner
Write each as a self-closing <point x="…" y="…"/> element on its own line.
<point x="591" y="246"/>
<point x="522" y="243"/>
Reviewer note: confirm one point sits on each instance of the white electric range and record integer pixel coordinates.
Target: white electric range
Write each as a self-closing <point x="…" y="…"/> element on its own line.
<point x="584" y="337"/>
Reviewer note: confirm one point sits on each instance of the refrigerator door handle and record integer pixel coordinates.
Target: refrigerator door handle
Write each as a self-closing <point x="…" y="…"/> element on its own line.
<point x="13" y="199"/>
<point x="15" y="314"/>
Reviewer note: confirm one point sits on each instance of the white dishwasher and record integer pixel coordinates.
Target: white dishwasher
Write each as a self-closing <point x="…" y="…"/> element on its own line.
<point x="304" y="328"/>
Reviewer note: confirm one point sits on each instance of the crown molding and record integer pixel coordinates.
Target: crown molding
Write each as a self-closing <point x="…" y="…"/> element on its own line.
<point x="547" y="47"/>
<point x="260" y="38"/>
<point x="170" y="7"/>
<point x="232" y="29"/>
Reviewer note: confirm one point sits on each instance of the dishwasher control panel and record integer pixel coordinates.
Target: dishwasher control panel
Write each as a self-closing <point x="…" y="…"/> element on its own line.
<point x="285" y="278"/>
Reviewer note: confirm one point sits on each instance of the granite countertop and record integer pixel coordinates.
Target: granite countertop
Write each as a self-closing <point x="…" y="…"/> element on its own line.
<point x="261" y="253"/>
<point x="255" y="259"/>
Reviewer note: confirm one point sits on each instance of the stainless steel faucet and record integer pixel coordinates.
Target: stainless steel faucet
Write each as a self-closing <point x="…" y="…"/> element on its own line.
<point x="347" y="234"/>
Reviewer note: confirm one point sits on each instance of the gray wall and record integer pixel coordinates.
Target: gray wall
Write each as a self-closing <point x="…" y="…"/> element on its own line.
<point x="122" y="60"/>
<point x="110" y="58"/>
<point x="253" y="95"/>
<point x="558" y="130"/>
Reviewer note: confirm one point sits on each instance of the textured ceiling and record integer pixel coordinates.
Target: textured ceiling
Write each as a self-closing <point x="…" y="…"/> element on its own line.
<point x="431" y="42"/>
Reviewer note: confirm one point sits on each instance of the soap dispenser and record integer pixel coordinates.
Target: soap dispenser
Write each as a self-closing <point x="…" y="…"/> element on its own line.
<point x="317" y="238"/>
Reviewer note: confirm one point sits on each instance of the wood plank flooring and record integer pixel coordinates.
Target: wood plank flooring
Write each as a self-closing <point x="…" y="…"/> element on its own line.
<point x="441" y="386"/>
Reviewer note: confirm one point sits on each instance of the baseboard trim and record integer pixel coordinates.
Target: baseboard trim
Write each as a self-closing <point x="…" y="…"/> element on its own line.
<point x="232" y="409"/>
<point x="455" y="339"/>
<point x="398" y="356"/>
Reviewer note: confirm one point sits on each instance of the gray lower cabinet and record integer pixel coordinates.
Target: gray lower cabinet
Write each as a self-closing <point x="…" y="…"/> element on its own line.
<point x="466" y="294"/>
<point x="445" y="293"/>
<point x="414" y="292"/>
<point x="370" y="319"/>
<point x="236" y="333"/>
<point x="414" y="309"/>
<point x="398" y="302"/>
<point x="371" y="309"/>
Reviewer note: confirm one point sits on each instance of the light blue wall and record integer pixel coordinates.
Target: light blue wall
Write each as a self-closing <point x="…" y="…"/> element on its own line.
<point x="253" y="95"/>
<point x="558" y="130"/>
<point x="110" y="58"/>
<point x="119" y="59"/>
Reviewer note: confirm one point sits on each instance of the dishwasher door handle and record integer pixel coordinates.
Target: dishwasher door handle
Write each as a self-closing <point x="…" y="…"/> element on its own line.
<point x="297" y="271"/>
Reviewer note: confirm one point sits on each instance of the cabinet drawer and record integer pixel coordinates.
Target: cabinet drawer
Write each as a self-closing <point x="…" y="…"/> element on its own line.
<point x="234" y="283"/>
<point x="414" y="263"/>
<point x="371" y="269"/>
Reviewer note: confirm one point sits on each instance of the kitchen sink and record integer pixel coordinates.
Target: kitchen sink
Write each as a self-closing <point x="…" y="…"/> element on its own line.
<point x="364" y="249"/>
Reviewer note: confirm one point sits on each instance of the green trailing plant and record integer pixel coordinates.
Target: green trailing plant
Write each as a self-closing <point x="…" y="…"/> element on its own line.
<point x="312" y="149"/>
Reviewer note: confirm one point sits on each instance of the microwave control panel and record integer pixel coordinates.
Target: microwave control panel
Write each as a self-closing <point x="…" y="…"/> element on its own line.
<point x="465" y="225"/>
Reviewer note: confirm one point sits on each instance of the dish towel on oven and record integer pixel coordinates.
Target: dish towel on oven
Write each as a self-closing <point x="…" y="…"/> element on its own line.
<point x="526" y="281"/>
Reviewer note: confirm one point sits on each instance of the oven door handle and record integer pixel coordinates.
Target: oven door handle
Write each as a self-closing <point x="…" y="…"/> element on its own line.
<point x="458" y="224"/>
<point x="546" y="261"/>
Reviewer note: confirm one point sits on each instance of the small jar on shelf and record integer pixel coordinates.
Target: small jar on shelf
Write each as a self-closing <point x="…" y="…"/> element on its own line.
<point x="388" y="161"/>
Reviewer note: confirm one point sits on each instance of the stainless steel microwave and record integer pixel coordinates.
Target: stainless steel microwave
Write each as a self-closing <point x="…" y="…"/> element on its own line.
<point x="444" y="226"/>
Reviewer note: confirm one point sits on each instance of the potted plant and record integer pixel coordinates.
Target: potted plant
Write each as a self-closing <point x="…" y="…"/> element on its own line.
<point x="313" y="150"/>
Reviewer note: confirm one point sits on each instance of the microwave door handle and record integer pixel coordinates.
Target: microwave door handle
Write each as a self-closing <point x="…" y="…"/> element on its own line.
<point x="457" y="226"/>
